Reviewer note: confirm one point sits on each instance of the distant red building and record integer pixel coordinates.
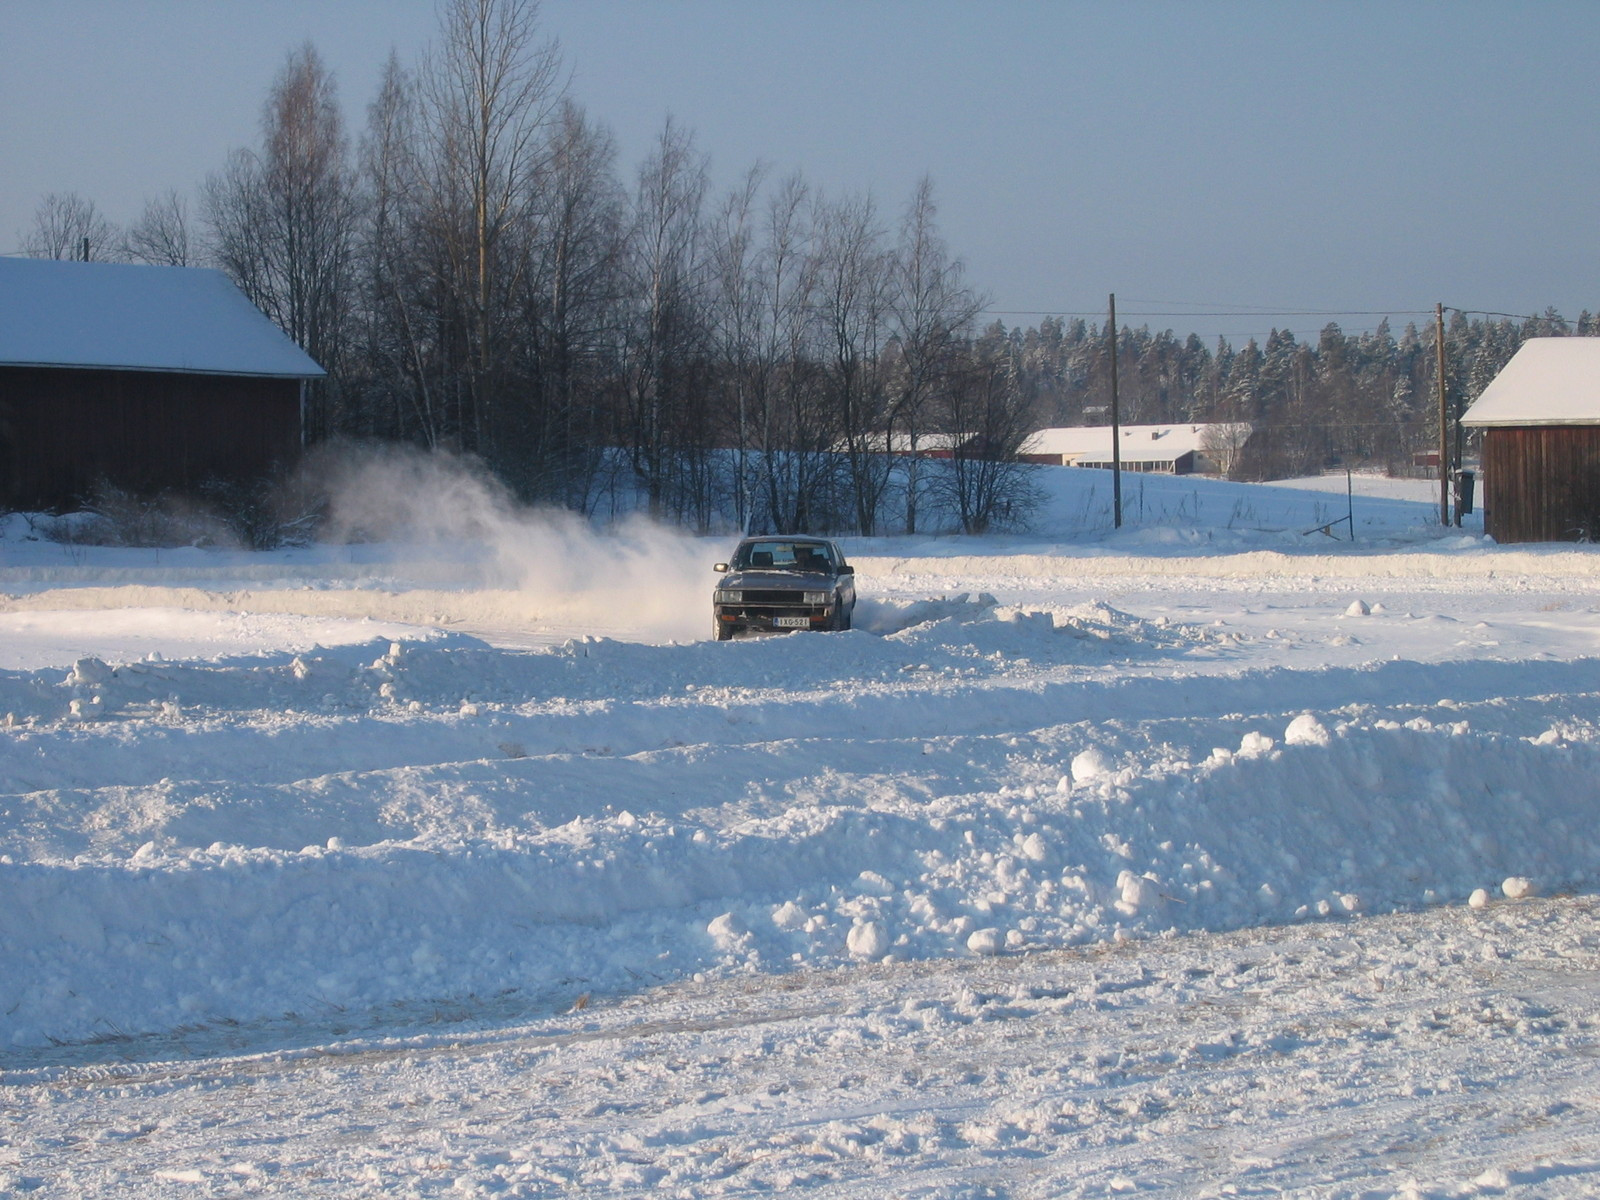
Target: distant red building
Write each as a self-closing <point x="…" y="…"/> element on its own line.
<point x="1540" y="419"/>
<point x="151" y="379"/>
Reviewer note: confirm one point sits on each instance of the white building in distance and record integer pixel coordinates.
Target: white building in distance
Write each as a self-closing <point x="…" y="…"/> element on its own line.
<point x="1169" y="449"/>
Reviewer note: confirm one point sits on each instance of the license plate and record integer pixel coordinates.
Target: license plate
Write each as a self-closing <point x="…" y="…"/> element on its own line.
<point x="792" y="622"/>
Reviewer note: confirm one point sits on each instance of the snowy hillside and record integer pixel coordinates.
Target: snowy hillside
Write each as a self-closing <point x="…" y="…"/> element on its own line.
<point x="258" y="802"/>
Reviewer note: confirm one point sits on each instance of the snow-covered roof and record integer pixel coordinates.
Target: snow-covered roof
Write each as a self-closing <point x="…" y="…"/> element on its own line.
<point x="1549" y="381"/>
<point x="1140" y="443"/>
<point x="138" y="318"/>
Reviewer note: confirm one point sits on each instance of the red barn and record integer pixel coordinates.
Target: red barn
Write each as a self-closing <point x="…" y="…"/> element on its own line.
<point x="1541" y="443"/>
<point x="151" y="379"/>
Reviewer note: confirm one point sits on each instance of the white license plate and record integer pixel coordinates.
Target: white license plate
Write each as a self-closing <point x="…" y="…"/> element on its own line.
<point x="792" y="622"/>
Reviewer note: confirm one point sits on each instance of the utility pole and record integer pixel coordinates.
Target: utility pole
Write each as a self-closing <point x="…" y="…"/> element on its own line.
<point x="1116" y="425"/>
<point x="1444" y="419"/>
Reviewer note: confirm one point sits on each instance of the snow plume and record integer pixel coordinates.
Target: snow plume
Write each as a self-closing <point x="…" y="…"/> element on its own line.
<point x="637" y="574"/>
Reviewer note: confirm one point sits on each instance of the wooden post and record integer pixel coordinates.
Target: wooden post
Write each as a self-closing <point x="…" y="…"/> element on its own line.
<point x="1116" y="425"/>
<point x="1444" y="420"/>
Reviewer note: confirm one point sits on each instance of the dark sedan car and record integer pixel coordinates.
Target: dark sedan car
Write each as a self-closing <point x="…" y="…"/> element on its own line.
<point x="777" y="583"/>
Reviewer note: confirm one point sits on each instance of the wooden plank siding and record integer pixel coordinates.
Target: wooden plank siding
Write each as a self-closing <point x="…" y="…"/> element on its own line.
<point x="65" y="430"/>
<point x="1541" y="483"/>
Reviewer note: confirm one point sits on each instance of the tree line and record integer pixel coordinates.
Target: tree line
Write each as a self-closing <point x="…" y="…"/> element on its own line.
<point x="1363" y="400"/>
<point x="478" y="274"/>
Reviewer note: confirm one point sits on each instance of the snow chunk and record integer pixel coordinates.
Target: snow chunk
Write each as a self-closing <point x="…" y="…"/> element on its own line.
<point x="727" y="931"/>
<point x="1089" y="765"/>
<point x="1358" y="608"/>
<point x="1254" y="745"/>
<point x="1517" y="888"/>
<point x="868" y="940"/>
<point x="984" y="942"/>
<point x="88" y="672"/>
<point x="1138" y="892"/>
<point x="1035" y="848"/>
<point x="1479" y="898"/>
<point x="789" y="915"/>
<point x="1306" y="730"/>
<point x="1495" y="1179"/>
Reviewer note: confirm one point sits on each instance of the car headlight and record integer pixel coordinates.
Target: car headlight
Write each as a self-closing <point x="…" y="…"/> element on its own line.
<point x="817" y="597"/>
<point x="728" y="596"/>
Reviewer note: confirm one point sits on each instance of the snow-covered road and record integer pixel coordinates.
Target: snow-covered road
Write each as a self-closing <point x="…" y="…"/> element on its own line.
<point x="1448" y="1053"/>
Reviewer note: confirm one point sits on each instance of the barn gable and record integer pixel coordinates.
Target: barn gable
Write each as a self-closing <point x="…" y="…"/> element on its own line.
<point x="151" y="379"/>
<point x="1540" y="418"/>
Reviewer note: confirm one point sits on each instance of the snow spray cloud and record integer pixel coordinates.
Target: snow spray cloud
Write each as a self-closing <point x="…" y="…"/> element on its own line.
<point x="637" y="577"/>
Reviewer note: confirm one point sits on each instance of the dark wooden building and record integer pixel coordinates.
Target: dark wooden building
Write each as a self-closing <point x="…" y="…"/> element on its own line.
<point x="150" y="379"/>
<point x="1540" y="419"/>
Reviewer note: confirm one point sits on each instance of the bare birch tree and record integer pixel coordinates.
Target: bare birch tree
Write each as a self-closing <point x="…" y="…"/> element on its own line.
<point x="667" y="333"/>
<point x="161" y="236"/>
<point x="852" y="300"/>
<point x="931" y="313"/>
<point x="571" y="304"/>
<point x="65" y="225"/>
<point x="488" y="95"/>
<point x="283" y="220"/>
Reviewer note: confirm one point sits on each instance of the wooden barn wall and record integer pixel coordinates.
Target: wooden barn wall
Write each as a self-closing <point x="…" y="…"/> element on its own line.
<point x="63" y="431"/>
<point x="1542" y="483"/>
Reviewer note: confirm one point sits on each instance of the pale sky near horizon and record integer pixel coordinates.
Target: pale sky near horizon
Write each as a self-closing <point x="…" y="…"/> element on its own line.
<point x="1300" y="162"/>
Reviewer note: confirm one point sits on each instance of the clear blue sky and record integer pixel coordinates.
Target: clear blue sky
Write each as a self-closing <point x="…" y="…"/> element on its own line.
<point x="1285" y="155"/>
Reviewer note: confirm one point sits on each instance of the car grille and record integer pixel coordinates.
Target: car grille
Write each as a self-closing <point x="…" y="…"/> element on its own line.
<point x="774" y="596"/>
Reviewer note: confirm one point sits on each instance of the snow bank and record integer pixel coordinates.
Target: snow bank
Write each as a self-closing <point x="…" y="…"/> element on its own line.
<point x="240" y="839"/>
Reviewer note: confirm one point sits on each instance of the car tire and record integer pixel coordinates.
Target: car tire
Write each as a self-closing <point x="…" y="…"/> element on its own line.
<point x="845" y="616"/>
<point x="720" y="629"/>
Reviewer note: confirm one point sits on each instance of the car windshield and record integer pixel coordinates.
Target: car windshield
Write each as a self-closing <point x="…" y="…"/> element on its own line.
<point x="779" y="555"/>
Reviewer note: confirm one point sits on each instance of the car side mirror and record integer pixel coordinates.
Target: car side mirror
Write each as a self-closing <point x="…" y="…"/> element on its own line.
<point x="846" y="569"/>
<point x="723" y="567"/>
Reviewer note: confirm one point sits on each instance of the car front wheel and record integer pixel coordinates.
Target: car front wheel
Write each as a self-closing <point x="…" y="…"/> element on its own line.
<point x="720" y="629"/>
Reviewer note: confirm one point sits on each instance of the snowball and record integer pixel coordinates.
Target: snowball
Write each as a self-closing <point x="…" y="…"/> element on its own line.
<point x="1306" y="730"/>
<point x="1479" y="898"/>
<point x="1517" y="888"/>
<point x="1089" y="765"/>
<point x="1358" y="608"/>
<point x="868" y="940"/>
<point x="985" y="942"/>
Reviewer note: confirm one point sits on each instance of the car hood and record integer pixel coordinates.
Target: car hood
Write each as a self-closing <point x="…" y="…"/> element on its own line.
<point x="805" y="581"/>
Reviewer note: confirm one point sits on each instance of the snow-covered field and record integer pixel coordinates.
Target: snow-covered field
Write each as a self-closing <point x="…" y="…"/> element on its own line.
<point x="1214" y="856"/>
